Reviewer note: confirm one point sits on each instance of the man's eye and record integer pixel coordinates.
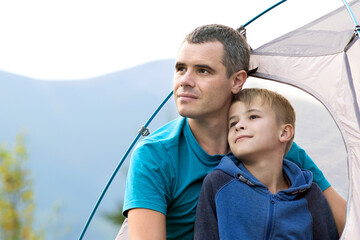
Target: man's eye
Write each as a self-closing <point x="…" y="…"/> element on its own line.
<point x="203" y="71"/>
<point x="180" y="69"/>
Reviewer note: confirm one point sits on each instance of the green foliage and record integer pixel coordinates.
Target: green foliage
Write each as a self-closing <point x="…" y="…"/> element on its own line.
<point x="115" y="217"/>
<point x="16" y="195"/>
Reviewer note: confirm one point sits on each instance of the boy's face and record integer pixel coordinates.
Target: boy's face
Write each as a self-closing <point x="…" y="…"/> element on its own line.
<point x="254" y="131"/>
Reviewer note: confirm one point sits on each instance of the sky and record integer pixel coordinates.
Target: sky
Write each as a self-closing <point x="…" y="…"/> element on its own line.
<point x="81" y="39"/>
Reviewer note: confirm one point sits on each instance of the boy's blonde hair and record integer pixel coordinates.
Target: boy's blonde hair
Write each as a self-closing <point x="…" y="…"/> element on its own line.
<point x="284" y="112"/>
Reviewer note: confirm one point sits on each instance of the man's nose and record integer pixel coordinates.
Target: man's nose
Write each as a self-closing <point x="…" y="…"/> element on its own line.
<point x="187" y="79"/>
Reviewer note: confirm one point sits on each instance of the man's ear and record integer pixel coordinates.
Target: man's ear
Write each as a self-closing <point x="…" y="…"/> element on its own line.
<point x="287" y="132"/>
<point x="238" y="80"/>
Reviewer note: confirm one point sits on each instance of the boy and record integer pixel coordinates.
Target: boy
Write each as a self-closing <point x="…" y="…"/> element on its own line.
<point x="255" y="193"/>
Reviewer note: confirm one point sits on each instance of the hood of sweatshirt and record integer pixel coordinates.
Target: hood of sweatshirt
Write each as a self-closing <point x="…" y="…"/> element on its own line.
<point x="299" y="180"/>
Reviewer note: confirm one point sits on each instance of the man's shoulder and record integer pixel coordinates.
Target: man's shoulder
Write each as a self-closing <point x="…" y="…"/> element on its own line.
<point x="167" y="132"/>
<point x="164" y="139"/>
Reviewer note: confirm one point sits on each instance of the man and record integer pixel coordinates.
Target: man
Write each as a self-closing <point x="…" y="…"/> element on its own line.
<point x="167" y="168"/>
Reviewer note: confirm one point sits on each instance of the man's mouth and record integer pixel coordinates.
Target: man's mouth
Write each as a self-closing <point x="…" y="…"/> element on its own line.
<point x="186" y="96"/>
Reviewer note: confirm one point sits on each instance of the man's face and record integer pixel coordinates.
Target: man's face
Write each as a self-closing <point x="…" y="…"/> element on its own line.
<point x="201" y="87"/>
<point x="254" y="131"/>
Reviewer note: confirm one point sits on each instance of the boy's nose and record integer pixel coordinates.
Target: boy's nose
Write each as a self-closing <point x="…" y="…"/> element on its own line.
<point x="239" y="126"/>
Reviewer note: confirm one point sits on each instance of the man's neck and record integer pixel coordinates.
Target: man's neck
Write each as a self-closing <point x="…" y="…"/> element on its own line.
<point x="269" y="171"/>
<point x="211" y="134"/>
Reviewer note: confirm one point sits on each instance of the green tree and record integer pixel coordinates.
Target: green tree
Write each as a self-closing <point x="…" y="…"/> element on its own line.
<point x="116" y="217"/>
<point x="16" y="195"/>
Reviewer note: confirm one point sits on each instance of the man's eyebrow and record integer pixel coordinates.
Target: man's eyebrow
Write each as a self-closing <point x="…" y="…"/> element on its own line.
<point x="177" y="64"/>
<point x="199" y="66"/>
<point x="204" y="66"/>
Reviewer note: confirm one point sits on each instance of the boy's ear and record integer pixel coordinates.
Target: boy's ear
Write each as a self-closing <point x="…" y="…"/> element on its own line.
<point x="287" y="132"/>
<point x="238" y="79"/>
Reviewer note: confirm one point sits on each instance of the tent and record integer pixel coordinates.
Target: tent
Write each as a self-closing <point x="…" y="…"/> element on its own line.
<point x="323" y="59"/>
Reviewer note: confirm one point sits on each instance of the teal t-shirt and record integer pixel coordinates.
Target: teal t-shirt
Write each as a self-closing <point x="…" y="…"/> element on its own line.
<point x="166" y="172"/>
<point x="298" y="156"/>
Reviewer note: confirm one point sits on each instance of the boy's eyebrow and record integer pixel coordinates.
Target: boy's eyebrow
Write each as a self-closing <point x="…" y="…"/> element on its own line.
<point x="231" y="117"/>
<point x="248" y="111"/>
<point x="253" y="110"/>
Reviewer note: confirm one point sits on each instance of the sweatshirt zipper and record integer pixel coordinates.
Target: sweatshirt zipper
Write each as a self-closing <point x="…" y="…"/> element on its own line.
<point x="271" y="213"/>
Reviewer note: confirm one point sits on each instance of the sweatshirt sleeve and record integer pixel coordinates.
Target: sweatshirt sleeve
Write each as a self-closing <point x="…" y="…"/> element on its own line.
<point x="206" y="225"/>
<point x="298" y="156"/>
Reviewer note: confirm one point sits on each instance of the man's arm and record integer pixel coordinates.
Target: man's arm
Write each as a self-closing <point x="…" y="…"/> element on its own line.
<point x="298" y="156"/>
<point x="146" y="224"/>
<point x="338" y="207"/>
<point x="145" y="207"/>
<point x="336" y="202"/>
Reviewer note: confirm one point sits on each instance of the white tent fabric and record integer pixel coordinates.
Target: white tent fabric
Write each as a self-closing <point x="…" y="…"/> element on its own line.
<point x="323" y="59"/>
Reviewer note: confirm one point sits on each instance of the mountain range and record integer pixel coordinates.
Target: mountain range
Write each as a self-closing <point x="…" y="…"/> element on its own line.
<point x="76" y="132"/>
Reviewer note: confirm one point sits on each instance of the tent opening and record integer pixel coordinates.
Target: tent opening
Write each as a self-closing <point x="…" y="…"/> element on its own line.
<point x="315" y="131"/>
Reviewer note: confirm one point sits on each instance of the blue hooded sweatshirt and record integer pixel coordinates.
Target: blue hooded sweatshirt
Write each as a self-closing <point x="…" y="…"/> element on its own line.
<point x="233" y="204"/>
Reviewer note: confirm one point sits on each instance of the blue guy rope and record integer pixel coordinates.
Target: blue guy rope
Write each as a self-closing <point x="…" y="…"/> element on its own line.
<point x="144" y="132"/>
<point x="357" y="27"/>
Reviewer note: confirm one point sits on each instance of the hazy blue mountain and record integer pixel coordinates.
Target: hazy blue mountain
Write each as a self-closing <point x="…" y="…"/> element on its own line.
<point x="78" y="131"/>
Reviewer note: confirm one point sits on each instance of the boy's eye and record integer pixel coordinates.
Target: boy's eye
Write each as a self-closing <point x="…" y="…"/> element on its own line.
<point x="253" y="117"/>
<point x="232" y="124"/>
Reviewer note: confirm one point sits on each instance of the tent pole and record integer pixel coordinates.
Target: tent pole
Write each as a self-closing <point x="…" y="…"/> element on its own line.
<point x="357" y="27"/>
<point x="270" y="8"/>
<point x="144" y="132"/>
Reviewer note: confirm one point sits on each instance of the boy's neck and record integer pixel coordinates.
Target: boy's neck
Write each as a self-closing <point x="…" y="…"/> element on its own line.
<point x="269" y="171"/>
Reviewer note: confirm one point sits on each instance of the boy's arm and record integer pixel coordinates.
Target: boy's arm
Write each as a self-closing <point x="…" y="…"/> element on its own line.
<point x="336" y="202"/>
<point x="338" y="207"/>
<point x="206" y="225"/>
<point x="146" y="224"/>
